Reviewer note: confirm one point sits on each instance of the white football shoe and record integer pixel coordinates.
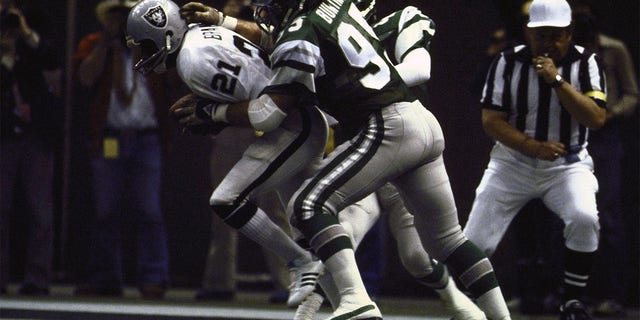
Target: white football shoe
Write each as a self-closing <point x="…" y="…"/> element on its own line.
<point x="352" y="311"/>
<point x="459" y="304"/>
<point x="304" y="279"/>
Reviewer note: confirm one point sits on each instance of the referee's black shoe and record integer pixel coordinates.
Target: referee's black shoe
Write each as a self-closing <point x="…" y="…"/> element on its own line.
<point x="573" y="310"/>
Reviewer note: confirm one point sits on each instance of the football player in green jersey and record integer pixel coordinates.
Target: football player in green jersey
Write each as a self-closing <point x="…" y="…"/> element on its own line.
<point x="406" y="35"/>
<point x="326" y="54"/>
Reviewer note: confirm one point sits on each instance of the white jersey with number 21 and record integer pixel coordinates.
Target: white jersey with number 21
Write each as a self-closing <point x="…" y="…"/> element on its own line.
<point x="221" y="65"/>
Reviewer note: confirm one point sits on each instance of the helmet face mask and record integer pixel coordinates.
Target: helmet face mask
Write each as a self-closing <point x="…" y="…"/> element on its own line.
<point x="367" y="9"/>
<point x="273" y="15"/>
<point x="152" y="58"/>
<point x="157" y="27"/>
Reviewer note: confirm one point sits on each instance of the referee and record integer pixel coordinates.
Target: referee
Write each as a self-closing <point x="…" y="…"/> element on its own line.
<point x="538" y="103"/>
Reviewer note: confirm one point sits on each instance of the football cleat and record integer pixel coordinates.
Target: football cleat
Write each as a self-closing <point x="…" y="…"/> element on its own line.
<point x="574" y="310"/>
<point x="303" y="281"/>
<point x="459" y="304"/>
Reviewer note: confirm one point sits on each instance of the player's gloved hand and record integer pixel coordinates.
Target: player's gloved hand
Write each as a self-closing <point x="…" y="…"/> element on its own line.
<point x="194" y="114"/>
<point x="196" y="12"/>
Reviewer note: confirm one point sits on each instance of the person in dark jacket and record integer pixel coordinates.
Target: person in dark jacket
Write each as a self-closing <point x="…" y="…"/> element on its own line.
<point x="30" y="122"/>
<point x="128" y="126"/>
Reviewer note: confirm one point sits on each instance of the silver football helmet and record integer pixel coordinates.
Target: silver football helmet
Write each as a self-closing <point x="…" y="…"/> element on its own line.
<point x="157" y="27"/>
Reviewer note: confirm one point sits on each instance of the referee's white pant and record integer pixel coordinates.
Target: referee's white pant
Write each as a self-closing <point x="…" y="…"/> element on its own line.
<point x="512" y="179"/>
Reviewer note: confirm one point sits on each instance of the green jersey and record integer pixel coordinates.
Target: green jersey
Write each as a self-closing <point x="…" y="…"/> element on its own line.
<point x="331" y="57"/>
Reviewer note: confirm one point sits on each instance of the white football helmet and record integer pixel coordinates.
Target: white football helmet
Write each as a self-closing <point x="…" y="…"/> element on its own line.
<point x="157" y="27"/>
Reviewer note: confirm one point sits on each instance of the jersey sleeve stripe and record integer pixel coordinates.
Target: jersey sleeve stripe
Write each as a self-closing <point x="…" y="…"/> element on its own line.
<point x="285" y="76"/>
<point x="416" y="31"/>
<point x="303" y="52"/>
<point x="297" y="61"/>
<point x="295" y="65"/>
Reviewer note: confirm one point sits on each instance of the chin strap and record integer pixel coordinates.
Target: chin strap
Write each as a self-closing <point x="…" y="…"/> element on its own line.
<point x="167" y="42"/>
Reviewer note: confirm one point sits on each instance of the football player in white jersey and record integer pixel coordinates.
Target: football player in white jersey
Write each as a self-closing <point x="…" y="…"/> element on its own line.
<point x="220" y="65"/>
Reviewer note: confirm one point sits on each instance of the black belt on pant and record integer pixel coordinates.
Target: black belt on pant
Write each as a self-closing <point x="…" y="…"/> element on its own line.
<point x="572" y="154"/>
<point x="130" y="132"/>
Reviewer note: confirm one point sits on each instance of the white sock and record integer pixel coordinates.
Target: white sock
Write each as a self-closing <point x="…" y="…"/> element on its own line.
<point x="448" y="292"/>
<point x="346" y="276"/>
<point x="493" y="305"/>
<point x="330" y="289"/>
<point x="266" y="233"/>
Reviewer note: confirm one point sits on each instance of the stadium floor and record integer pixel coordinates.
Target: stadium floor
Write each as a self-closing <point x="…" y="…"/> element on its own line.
<point x="179" y="305"/>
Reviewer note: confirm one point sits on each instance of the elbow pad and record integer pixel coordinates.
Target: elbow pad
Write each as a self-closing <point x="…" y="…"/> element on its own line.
<point x="264" y="114"/>
<point x="415" y="68"/>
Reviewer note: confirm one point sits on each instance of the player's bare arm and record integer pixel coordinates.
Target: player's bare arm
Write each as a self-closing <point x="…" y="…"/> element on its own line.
<point x="196" y="12"/>
<point x="496" y="126"/>
<point x="264" y="113"/>
<point x="580" y="106"/>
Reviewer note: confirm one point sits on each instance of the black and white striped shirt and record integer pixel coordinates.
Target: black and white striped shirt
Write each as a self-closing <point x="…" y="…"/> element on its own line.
<point x="512" y="86"/>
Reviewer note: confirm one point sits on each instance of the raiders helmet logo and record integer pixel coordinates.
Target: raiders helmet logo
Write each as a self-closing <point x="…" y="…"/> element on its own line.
<point x="156" y="17"/>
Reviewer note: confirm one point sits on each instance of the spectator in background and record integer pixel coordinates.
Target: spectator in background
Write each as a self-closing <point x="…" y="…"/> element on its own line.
<point x="30" y="122"/>
<point x="128" y="125"/>
<point x="498" y="41"/>
<point x="606" y="148"/>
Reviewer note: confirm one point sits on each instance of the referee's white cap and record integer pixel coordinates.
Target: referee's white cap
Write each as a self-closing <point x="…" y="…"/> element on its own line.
<point x="549" y="13"/>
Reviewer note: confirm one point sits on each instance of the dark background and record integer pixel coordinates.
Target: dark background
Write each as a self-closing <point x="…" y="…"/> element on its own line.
<point x="463" y="29"/>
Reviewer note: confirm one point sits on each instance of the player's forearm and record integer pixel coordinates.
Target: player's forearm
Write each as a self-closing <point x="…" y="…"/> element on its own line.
<point x="236" y="114"/>
<point x="196" y="12"/>
<point x="264" y="113"/>
<point x="247" y="29"/>
<point x="251" y="31"/>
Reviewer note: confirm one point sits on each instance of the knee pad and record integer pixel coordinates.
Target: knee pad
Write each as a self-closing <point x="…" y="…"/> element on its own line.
<point x="582" y="233"/>
<point x="326" y="234"/>
<point x="233" y="215"/>
<point x="417" y="263"/>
